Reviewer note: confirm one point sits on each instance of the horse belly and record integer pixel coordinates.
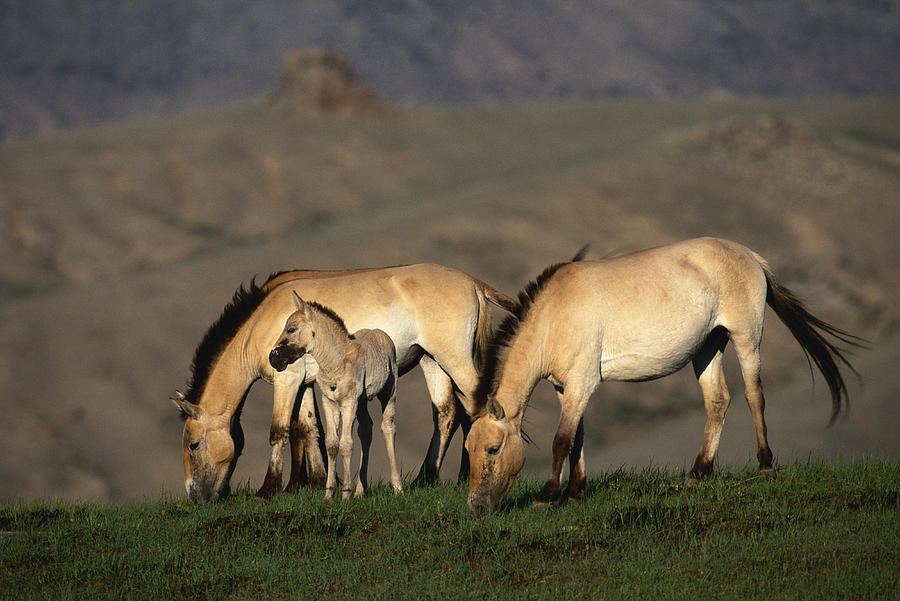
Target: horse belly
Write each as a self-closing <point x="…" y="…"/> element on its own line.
<point x="651" y="353"/>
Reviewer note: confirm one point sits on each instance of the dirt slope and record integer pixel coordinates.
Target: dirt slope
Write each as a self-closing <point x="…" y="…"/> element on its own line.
<point x="122" y="245"/>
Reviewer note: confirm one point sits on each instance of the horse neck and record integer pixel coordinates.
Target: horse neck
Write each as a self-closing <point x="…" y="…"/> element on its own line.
<point x="332" y="344"/>
<point x="229" y="380"/>
<point x="519" y="374"/>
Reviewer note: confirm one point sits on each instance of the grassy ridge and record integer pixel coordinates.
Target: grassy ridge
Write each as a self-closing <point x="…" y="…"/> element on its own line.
<point x="809" y="531"/>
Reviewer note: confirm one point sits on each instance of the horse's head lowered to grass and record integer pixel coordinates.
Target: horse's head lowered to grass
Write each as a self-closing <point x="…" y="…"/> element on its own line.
<point x="633" y="318"/>
<point x="496" y="456"/>
<point x="213" y="439"/>
<point x="211" y="444"/>
<point x="429" y="312"/>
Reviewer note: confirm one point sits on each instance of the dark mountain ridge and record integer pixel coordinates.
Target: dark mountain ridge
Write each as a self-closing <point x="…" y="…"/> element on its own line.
<point x="66" y="63"/>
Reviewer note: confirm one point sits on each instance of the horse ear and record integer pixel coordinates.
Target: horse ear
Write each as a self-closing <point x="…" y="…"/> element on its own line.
<point x="177" y="399"/>
<point x="187" y="408"/>
<point x="579" y="256"/>
<point x="495" y="409"/>
<point x="298" y="302"/>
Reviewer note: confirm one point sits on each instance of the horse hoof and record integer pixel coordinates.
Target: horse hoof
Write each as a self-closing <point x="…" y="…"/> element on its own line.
<point x="266" y="492"/>
<point x="424" y="480"/>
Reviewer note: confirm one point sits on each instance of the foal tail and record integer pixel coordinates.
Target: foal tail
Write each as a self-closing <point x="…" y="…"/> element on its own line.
<point x="487" y="294"/>
<point x="810" y="332"/>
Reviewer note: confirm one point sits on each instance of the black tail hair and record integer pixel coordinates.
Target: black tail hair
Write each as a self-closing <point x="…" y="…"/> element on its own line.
<point x="810" y="332"/>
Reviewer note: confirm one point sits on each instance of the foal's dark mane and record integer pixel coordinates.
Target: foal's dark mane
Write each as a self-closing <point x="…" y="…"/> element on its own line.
<point x="330" y="313"/>
<point x="498" y="347"/>
<point x="236" y="313"/>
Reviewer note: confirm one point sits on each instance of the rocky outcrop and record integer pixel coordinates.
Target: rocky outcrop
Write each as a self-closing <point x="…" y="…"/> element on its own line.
<point x="320" y="81"/>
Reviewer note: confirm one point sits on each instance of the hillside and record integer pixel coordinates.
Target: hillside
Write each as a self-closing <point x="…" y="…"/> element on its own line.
<point x="122" y="243"/>
<point x="66" y="63"/>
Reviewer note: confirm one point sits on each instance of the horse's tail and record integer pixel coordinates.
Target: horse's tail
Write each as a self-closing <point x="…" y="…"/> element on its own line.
<point x="812" y="333"/>
<point x="483" y="332"/>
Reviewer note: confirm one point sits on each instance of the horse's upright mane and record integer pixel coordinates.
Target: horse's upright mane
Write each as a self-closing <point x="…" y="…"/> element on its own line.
<point x="498" y="347"/>
<point x="236" y="313"/>
<point x="331" y="314"/>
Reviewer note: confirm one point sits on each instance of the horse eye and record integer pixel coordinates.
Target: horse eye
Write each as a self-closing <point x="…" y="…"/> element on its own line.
<point x="291" y="330"/>
<point x="494" y="449"/>
<point x="193" y="446"/>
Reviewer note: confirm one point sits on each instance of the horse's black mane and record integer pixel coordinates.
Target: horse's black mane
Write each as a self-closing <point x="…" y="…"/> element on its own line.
<point x="498" y="346"/>
<point x="236" y="313"/>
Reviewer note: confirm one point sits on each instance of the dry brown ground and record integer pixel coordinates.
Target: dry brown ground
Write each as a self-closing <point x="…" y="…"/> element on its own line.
<point x="121" y="244"/>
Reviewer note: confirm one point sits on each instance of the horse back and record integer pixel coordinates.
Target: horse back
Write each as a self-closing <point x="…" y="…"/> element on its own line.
<point x="421" y="307"/>
<point x="646" y="314"/>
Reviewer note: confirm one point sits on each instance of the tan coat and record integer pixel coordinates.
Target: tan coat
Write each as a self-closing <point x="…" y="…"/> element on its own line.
<point x="437" y="317"/>
<point x="631" y="318"/>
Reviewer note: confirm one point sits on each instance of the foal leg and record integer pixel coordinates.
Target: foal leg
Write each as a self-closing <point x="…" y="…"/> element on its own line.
<point x="573" y="405"/>
<point x="348" y="412"/>
<point x="711" y="376"/>
<point x="364" y="431"/>
<point x="388" y="400"/>
<point x="748" y="356"/>
<point x="443" y="412"/>
<point x="330" y="409"/>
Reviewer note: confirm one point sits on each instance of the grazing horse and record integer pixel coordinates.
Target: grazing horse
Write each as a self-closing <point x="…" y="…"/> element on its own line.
<point x="632" y="318"/>
<point x="353" y="369"/>
<point x="438" y="318"/>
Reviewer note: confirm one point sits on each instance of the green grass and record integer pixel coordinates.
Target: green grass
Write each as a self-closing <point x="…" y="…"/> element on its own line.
<point x="818" y="531"/>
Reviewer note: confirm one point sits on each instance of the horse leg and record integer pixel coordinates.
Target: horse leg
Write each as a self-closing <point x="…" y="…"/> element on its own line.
<point x="464" y="376"/>
<point x="299" y="437"/>
<point x="443" y="412"/>
<point x="464" y="422"/>
<point x="309" y="426"/>
<point x="577" y="478"/>
<point x="364" y="431"/>
<point x="388" y="400"/>
<point x="297" y="443"/>
<point x="748" y="356"/>
<point x="345" y="444"/>
<point x="285" y="394"/>
<point x="573" y="405"/>
<point x="329" y="408"/>
<point x="711" y="377"/>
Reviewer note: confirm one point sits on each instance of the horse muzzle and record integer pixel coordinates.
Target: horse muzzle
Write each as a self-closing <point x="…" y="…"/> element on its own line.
<point x="282" y="356"/>
<point x="200" y="492"/>
<point x="481" y="503"/>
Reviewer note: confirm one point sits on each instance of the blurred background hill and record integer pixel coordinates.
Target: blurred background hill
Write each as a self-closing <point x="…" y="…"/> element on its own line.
<point x="122" y="242"/>
<point x="65" y="63"/>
